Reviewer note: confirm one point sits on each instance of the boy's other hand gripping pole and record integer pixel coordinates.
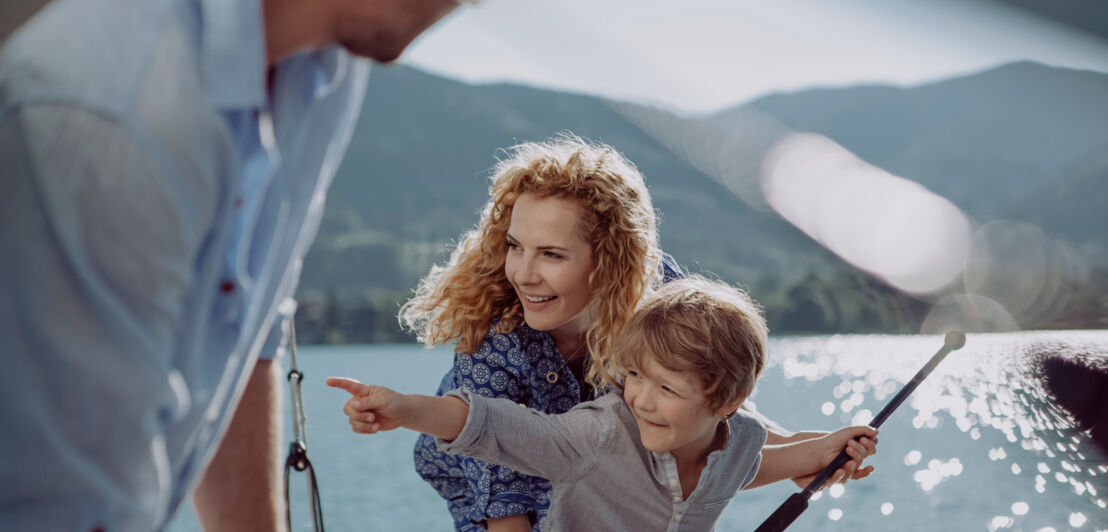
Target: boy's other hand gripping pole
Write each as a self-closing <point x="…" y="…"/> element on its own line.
<point x="798" y="502"/>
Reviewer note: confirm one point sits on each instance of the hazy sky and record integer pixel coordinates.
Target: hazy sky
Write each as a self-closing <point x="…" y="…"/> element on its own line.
<point x="702" y="55"/>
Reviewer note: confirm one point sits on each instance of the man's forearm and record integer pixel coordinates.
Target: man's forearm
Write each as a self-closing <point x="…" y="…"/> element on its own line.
<point x="241" y="489"/>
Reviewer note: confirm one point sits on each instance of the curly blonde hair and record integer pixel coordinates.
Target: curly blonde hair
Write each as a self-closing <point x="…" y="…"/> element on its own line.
<point x="459" y="301"/>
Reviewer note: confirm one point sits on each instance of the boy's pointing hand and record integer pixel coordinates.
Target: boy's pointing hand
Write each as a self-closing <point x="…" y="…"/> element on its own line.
<point x="371" y="408"/>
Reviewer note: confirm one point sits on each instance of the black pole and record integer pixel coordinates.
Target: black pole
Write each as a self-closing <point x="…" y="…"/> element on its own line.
<point x="798" y="502"/>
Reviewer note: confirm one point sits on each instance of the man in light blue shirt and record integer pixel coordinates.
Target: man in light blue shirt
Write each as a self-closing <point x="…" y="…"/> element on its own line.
<point x="164" y="166"/>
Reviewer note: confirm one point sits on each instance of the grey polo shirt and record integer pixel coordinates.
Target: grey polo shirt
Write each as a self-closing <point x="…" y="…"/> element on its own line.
<point x="603" y="478"/>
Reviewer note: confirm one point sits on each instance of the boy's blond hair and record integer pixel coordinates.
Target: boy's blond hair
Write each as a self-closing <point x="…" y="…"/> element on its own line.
<point x="707" y="327"/>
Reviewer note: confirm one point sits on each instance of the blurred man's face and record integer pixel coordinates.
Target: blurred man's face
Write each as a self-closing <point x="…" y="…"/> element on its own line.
<point x="382" y="29"/>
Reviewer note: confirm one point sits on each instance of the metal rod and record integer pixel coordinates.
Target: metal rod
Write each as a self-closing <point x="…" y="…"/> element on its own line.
<point x="798" y="502"/>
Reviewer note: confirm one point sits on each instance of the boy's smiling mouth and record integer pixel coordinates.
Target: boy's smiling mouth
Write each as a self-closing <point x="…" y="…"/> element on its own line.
<point x="649" y="423"/>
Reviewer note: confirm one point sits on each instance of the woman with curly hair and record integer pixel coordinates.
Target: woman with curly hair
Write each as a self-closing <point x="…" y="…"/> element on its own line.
<point x="532" y="298"/>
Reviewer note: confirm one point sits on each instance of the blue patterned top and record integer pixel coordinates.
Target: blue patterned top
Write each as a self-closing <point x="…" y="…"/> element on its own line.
<point x="512" y="365"/>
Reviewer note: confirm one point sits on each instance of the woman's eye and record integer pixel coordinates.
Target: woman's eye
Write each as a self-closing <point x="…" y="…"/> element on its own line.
<point x="513" y="246"/>
<point x="552" y="255"/>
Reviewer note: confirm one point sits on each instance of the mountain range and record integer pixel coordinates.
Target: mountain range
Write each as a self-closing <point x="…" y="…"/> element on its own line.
<point x="1022" y="141"/>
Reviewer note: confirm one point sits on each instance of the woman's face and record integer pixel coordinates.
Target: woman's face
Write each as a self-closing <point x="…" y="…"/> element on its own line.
<point x="548" y="264"/>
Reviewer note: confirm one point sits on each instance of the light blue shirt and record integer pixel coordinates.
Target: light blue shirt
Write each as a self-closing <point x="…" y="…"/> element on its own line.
<point x="156" y="201"/>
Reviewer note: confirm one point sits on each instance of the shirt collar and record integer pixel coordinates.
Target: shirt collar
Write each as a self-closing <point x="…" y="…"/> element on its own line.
<point x="332" y="64"/>
<point x="232" y="53"/>
<point x="314" y="74"/>
<point x="233" y="62"/>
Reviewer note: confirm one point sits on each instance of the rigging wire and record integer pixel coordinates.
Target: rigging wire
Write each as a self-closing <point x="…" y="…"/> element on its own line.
<point x="298" y="449"/>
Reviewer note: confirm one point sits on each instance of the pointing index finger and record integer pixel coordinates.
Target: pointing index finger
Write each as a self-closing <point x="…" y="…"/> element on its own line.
<point x="350" y="385"/>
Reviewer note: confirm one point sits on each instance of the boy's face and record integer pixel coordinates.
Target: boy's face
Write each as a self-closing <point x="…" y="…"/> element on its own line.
<point x="671" y="410"/>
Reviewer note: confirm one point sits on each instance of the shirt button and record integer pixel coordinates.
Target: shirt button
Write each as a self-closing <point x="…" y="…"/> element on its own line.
<point x="676" y="499"/>
<point x="677" y="516"/>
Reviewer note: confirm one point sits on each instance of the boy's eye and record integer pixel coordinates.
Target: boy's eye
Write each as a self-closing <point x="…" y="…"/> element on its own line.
<point x="632" y="373"/>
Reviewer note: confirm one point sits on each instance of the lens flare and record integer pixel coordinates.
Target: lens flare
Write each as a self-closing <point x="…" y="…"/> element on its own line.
<point x="892" y="227"/>
<point x="970" y="313"/>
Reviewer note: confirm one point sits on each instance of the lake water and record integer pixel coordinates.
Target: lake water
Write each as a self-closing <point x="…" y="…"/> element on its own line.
<point x="979" y="446"/>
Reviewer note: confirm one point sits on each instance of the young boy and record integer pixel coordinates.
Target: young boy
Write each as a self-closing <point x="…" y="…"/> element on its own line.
<point x="668" y="453"/>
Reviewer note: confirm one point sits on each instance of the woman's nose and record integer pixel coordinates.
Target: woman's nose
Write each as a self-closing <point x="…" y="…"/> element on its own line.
<point x="525" y="272"/>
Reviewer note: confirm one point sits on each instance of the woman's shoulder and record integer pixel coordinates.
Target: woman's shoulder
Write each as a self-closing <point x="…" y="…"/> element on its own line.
<point x="671" y="270"/>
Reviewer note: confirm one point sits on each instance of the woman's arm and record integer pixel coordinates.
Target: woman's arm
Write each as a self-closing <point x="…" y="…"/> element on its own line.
<point x="808" y="457"/>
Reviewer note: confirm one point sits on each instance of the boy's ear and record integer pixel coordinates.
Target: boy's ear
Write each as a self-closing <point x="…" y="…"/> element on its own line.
<point x="727" y="410"/>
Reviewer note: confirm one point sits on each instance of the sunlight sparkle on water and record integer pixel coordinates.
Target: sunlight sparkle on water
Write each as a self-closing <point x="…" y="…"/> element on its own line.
<point x="1001" y="521"/>
<point x="913" y="457"/>
<point x="1078" y="519"/>
<point x="989" y="400"/>
<point x="835" y="514"/>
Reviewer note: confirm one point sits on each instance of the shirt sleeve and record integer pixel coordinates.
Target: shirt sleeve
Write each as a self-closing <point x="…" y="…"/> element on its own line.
<point x="750" y="434"/>
<point x="554" y="446"/>
<point x="96" y="266"/>
<point x="749" y="408"/>
<point x="496" y="370"/>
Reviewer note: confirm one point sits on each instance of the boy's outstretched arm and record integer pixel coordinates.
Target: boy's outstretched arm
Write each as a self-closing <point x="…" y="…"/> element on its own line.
<point x="376" y="408"/>
<point x="808" y="457"/>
